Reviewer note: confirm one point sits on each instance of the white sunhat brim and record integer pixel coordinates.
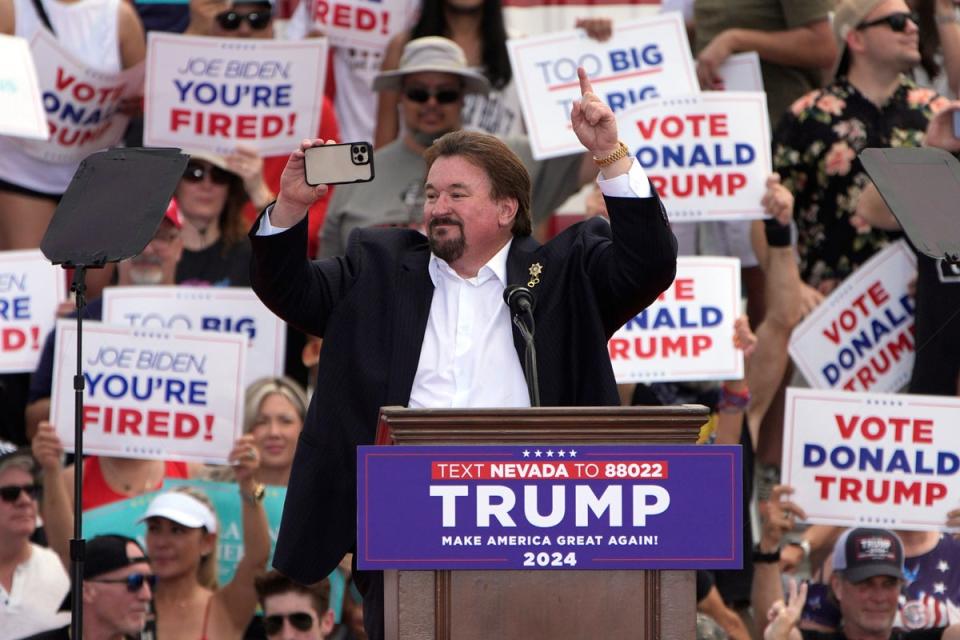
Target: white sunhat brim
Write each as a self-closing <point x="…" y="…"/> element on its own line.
<point x="183" y="509"/>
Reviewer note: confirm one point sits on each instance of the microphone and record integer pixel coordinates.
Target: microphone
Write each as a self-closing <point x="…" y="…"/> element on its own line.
<point x="519" y="299"/>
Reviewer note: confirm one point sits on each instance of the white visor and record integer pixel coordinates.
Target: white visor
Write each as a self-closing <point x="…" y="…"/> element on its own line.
<point x="183" y="509"/>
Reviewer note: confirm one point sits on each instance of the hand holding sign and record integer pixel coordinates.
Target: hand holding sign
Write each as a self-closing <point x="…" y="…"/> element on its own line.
<point x="593" y="122"/>
<point x="778" y="201"/>
<point x="47" y="448"/>
<point x="245" y="459"/>
<point x="940" y="131"/>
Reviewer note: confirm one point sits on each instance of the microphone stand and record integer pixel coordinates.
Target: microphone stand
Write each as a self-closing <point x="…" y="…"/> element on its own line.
<point x="530" y="356"/>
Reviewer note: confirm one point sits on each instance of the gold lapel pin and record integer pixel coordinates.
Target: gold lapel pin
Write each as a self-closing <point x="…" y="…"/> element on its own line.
<point x="535" y="270"/>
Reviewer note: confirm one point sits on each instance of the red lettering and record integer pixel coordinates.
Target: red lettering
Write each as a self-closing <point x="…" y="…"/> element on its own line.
<point x="341" y="15"/>
<point x="178" y="118"/>
<point x="824" y="482"/>
<point x="157" y="423"/>
<point x="63" y="81"/>
<point x="718" y="124"/>
<point x="878" y="294"/>
<point x="683" y="288"/>
<point x="618" y="348"/>
<point x="846" y="429"/>
<point x="366" y="19"/>
<point x="219" y="125"/>
<point x="185" y="425"/>
<point x="128" y="420"/>
<point x="832" y="334"/>
<point x="701" y="343"/>
<point x="865" y="377"/>
<point x="923" y="431"/>
<point x="12" y="339"/>
<point x="246" y="127"/>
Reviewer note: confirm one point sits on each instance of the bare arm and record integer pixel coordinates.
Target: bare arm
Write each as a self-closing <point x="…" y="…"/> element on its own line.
<point x="238" y="599"/>
<point x="811" y="46"/>
<point x="949" y="32"/>
<point x="729" y="621"/>
<point x="133" y="45"/>
<point x="57" y="505"/>
<point x="7" y="22"/>
<point x="873" y="211"/>
<point x="388" y="121"/>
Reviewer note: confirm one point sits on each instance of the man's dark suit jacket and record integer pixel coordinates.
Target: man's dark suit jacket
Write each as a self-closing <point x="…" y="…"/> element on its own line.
<point x="371" y="308"/>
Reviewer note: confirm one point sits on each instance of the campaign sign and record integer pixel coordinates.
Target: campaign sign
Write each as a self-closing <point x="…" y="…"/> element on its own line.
<point x="549" y="507"/>
<point x="708" y="156"/>
<point x="149" y="393"/>
<point x="872" y="459"/>
<point x="645" y="59"/>
<point x="210" y="94"/>
<point x="861" y="337"/>
<point x="31" y="289"/>
<point x="21" y="109"/>
<point x="82" y="104"/>
<point x="218" y="309"/>
<point x="687" y="334"/>
<point x="364" y="24"/>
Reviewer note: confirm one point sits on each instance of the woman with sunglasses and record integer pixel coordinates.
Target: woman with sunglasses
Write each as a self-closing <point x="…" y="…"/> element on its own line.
<point x="103" y="35"/>
<point x="211" y="195"/>
<point x="478" y="27"/>
<point x="181" y="539"/>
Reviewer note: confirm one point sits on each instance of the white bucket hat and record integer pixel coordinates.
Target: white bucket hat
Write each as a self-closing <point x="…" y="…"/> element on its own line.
<point x="183" y="509"/>
<point x="433" y="54"/>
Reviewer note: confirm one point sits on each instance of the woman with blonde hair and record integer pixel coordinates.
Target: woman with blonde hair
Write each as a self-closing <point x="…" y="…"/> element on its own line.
<point x="274" y="412"/>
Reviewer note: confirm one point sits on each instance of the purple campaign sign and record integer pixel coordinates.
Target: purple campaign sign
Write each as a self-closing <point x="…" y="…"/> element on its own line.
<point x="549" y="507"/>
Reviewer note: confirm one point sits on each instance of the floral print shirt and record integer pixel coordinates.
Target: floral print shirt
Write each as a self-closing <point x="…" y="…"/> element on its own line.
<point x="815" y="152"/>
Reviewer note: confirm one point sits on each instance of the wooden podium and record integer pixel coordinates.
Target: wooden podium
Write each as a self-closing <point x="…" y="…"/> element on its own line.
<point x="534" y="605"/>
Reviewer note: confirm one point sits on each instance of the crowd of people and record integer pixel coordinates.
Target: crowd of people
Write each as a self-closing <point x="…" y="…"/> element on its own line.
<point x="840" y="76"/>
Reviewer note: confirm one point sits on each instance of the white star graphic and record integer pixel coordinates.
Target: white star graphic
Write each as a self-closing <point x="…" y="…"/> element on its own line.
<point x="939" y="587"/>
<point x="561" y="453"/>
<point x="526" y="453"/>
<point x="536" y="454"/>
<point x="942" y="566"/>
<point x="573" y="453"/>
<point x="549" y="453"/>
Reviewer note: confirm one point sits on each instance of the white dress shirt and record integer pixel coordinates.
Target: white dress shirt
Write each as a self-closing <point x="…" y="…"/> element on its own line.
<point x="468" y="358"/>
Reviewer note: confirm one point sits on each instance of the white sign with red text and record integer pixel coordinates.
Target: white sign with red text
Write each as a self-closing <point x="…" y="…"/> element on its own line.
<point x="151" y="394"/>
<point x="82" y="104"/>
<point x="644" y="59"/>
<point x="211" y="94"/>
<point x="871" y="459"/>
<point x="708" y="156"/>
<point x="364" y="24"/>
<point x="21" y="109"/>
<point x="861" y="337"/>
<point x="687" y="334"/>
<point x="218" y="309"/>
<point x="31" y="289"/>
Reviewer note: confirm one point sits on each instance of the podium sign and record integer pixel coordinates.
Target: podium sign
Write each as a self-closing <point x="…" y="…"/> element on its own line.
<point x="549" y="507"/>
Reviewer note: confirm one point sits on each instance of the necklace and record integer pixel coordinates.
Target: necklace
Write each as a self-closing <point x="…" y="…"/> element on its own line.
<point x="133" y="483"/>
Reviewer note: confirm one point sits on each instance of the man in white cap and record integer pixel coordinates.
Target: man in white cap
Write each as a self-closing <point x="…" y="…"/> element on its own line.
<point x="433" y="77"/>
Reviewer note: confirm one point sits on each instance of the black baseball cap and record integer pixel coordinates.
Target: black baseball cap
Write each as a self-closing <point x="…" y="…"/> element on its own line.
<point x="106" y="553"/>
<point x="864" y="553"/>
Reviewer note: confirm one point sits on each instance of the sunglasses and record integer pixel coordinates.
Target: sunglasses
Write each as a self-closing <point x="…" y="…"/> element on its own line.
<point x="231" y="20"/>
<point x="896" y="21"/>
<point x="197" y="172"/>
<point x="134" y="581"/>
<point x="300" y="620"/>
<point x="443" y="96"/>
<point x="12" y="493"/>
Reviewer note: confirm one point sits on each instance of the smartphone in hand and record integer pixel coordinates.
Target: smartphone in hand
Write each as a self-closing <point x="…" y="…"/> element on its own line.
<point x="339" y="163"/>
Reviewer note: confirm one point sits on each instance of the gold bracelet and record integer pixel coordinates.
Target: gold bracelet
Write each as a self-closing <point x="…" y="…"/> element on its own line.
<point x="621" y="152"/>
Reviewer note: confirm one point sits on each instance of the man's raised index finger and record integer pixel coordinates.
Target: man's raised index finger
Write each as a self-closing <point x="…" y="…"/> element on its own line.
<point x="585" y="86"/>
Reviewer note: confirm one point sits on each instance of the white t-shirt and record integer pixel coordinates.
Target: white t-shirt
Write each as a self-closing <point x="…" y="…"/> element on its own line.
<point x="39" y="586"/>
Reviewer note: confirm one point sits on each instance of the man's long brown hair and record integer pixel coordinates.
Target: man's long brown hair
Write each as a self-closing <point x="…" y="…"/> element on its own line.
<point x="508" y="177"/>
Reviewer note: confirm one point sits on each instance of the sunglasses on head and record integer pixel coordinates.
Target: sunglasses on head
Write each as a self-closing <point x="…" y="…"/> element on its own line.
<point x="11" y="493"/>
<point x="231" y="20"/>
<point x="134" y="581"/>
<point x="421" y="95"/>
<point x="300" y="620"/>
<point x="896" y="21"/>
<point x="196" y="173"/>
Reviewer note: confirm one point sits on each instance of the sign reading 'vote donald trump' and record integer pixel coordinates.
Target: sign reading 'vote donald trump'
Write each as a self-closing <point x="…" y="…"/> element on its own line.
<point x="858" y="459"/>
<point x="708" y="156"/>
<point x="687" y="334"/>
<point x="151" y="394"/>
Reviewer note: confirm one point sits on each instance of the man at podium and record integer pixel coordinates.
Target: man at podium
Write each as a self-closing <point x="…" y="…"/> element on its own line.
<point x="418" y="321"/>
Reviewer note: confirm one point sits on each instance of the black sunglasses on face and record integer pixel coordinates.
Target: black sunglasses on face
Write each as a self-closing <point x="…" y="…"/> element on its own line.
<point x="896" y="21"/>
<point x="300" y="620"/>
<point x="231" y="20"/>
<point x="11" y="493"/>
<point x="443" y="96"/>
<point x="134" y="581"/>
<point x="197" y="172"/>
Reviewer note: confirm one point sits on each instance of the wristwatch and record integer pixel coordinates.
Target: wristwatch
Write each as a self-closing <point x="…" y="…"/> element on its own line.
<point x="256" y="496"/>
<point x="804" y="544"/>
<point x="763" y="557"/>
